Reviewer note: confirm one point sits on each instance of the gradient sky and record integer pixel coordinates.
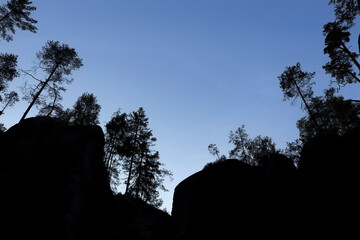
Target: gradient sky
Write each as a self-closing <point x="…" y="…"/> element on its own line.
<point x="200" y="68"/>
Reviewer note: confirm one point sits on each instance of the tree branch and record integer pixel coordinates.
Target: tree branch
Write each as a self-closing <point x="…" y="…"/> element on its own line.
<point x="347" y="51"/>
<point x="32" y="76"/>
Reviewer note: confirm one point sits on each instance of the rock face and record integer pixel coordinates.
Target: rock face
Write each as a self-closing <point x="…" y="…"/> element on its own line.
<point x="53" y="181"/>
<point x="231" y="199"/>
<point x="330" y="167"/>
<point x="53" y="185"/>
<point x="134" y="219"/>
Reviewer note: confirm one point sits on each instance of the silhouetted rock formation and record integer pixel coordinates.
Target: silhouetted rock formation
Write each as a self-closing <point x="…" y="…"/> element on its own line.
<point x="134" y="219"/>
<point x="53" y="181"/>
<point x="329" y="167"/>
<point x="231" y="199"/>
<point x="54" y="185"/>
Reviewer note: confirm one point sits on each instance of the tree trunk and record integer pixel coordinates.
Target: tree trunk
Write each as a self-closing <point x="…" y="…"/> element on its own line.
<point x="308" y="108"/>
<point x="347" y="51"/>
<point x="132" y="160"/>
<point x="39" y="92"/>
<point x="139" y="178"/>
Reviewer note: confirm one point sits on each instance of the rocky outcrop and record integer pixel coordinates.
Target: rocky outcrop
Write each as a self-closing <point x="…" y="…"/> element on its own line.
<point x="231" y="199"/>
<point x="53" y="185"/>
<point x="53" y="181"/>
<point x="132" y="218"/>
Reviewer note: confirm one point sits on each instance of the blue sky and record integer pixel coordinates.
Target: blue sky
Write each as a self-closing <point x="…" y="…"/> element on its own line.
<point x="200" y="68"/>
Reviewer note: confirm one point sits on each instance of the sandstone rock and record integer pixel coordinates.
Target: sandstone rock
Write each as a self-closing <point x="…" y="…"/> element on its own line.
<point x="231" y="199"/>
<point x="134" y="219"/>
<point x="53" y="180"/>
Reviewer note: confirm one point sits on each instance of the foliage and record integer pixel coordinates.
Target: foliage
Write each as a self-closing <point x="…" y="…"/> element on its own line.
<point x="129" y="143"/>
<point x="251" y="151"/>
<point x="8" y="72"/>
<point x="10" y="99"/>
<point x="86" y="110"/>
<point x="346" y="10"/>
<point x="16" y="13"/>
<point x="335" y="115"/>
<point x="115" y="141"/>
<point x="57" y="61"/>
<point x="296" y="83"/>
<point x="292" y="151"/>
<point x="342" y="60"/>
<point x="213" y="149"/>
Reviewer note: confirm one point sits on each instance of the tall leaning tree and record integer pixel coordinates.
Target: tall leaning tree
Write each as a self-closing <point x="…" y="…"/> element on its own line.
<point x="57" y="61"/>
<point x="344" y="63"/>
<point x="296" y="83"/>
<point x="14" y="14"/>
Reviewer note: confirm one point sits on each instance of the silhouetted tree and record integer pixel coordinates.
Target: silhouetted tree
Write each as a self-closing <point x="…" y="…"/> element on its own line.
<point x="295" y="83"/>
<point x="8" y="72"/>
<point x="115" y="146"/>
<point x="50" y="105"/>
<point x="342" y="60"/>
<point x="130" y="140"/>
<point x="250" y="151"/>
<point x="346" y="10"/>
<point x="10" y="99"/>
<point x="2" y="128"/>
<point x="149" y="176"/>
<point x="335" y="115"/>
<point x="337" y="37"/>
<point x="86" y="110"/>
<point x="16" y="13"/>
<point x="57" y="61"/>
<point x="213" y="149"/>
<point x="293" y="150"/>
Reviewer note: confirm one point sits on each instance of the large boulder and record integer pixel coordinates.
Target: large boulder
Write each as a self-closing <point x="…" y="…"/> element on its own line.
<point x="231" y="199"/>
<point x="53" y="182"/>
<point x="329" y="167"/>
<point x="134" y="219"/>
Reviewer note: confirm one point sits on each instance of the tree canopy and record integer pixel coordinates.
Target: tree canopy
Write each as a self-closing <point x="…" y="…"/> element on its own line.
<point x="57" y="61"/>
<point x="16" y="13"/>
<point x="129" y="150"/>
<point x="248" y="150"/>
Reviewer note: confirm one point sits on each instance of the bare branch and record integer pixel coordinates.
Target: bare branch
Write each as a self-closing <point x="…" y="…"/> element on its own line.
<point x="29" y="74"/>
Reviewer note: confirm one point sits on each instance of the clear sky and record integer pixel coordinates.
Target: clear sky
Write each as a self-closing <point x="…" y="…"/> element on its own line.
<point x="200" y="68"/>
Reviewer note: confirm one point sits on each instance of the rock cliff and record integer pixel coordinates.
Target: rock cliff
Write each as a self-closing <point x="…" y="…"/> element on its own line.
<point x="53" y="181"/>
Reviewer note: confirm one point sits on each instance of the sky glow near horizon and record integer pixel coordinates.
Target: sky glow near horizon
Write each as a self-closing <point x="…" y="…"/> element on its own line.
<point x="200" y="68"/>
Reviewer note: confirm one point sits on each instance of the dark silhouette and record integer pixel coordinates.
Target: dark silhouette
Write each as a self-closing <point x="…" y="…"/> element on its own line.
<point x="129" y="146"/>
<point x="335" y="115"/>
<point x="53" y="181"/>
<point x="57" y="60"/>
<point x="115" y="136"/>
<point x="231" y="200"/>
<point x="16" y="13"/>
<point x="248" y="150"/>
<point x="54" y="185"/>
<point x="295" y="83"/>
<point x="85" y="111"/>
<point x="342" y="60"/>
<point x="8" y="71"/>
<point x="13" y="14"/>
